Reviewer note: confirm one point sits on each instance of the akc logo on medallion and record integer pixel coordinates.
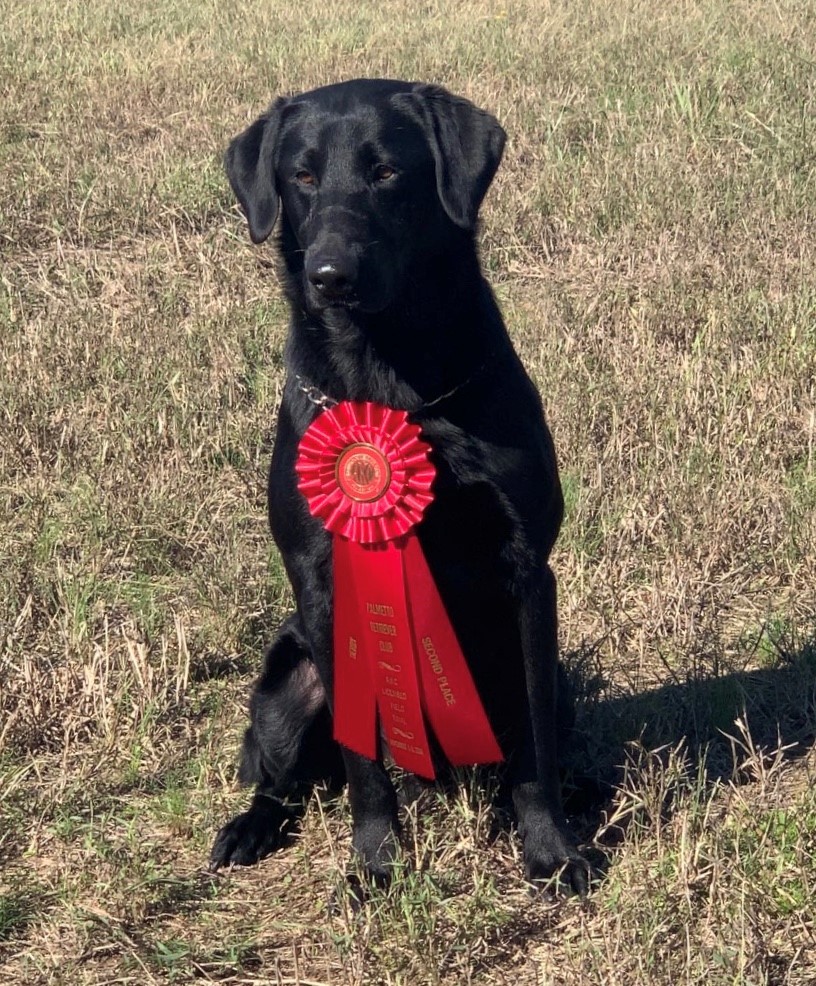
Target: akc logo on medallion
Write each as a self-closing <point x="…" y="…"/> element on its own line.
<point x="363" y="472"/>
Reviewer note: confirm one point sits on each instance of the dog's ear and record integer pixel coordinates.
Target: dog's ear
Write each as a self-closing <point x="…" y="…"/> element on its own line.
<point x="250" y="166"/>
<point x="467" y="145"/>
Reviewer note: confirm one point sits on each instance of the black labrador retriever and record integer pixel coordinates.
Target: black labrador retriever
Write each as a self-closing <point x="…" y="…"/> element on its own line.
<point x="377" y="185"/>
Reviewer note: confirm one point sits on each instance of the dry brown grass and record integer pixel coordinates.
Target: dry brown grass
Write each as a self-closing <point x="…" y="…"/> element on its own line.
<point x="651" y="240"/>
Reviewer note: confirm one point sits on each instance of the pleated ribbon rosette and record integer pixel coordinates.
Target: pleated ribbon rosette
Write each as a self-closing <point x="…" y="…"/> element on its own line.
<point x="367" y="475"/>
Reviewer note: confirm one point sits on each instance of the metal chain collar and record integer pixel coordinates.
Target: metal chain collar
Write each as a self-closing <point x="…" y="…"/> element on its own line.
<point x="313" y="395"/>
<point x="319" y="399"/>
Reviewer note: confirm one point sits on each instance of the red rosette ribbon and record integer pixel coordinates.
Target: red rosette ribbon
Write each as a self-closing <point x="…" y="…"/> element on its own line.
<point x="366" y="474"/>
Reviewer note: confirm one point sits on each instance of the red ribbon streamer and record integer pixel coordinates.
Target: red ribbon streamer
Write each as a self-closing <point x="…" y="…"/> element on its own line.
<point x="365" y="473"/>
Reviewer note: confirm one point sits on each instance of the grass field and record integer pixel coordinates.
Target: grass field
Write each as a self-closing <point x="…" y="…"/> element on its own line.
<point x="652" y="240"/>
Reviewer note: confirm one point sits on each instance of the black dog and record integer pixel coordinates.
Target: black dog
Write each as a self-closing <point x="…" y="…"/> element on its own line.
<point x="379" y="184"/>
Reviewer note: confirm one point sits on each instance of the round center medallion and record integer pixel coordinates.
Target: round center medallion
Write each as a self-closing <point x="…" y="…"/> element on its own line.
<point x="363" y="473"/>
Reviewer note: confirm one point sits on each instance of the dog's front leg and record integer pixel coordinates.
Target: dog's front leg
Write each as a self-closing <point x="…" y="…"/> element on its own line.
<point x="373" y="800"/>
<point x="534" y="769"/>
<point x="375" y="827"/>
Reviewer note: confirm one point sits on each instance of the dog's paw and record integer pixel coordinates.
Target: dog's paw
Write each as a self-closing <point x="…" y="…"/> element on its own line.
<point x="553" y="864"/>
<point x="376" y="846"/>
<point x="252" y="835"/>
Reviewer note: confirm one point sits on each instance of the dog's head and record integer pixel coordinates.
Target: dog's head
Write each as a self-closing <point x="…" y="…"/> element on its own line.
<point x="369" y="176"/>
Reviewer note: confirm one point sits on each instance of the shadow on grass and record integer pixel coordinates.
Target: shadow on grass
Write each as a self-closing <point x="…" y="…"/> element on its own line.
<point x="715" y="718"/>
<point x="18" y="909"/>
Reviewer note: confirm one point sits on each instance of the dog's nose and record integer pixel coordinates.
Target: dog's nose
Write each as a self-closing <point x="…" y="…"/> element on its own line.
<point x="332" y="279"/>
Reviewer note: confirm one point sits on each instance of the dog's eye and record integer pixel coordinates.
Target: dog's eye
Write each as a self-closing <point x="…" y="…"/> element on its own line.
<point x="304" y="178"/>
<point x="383" y="172"/>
